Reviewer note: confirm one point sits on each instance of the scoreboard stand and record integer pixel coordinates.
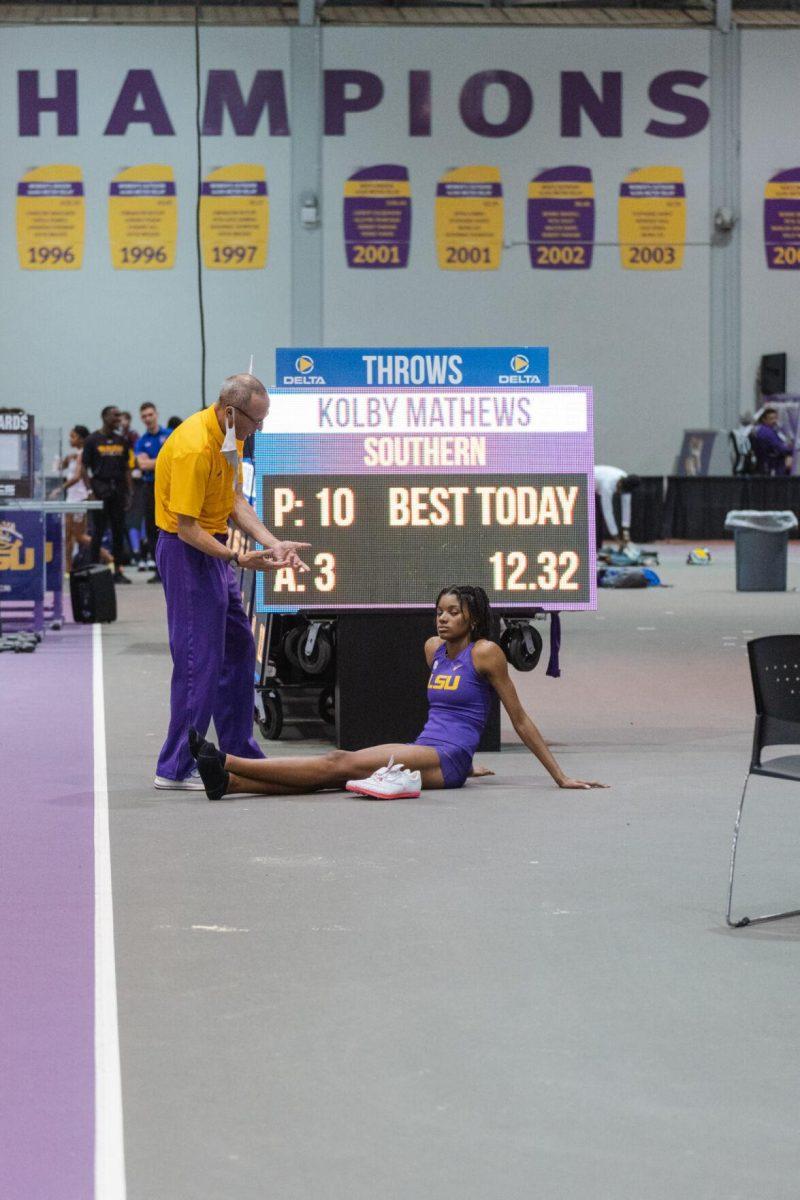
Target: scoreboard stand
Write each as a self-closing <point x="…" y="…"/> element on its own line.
<point x="381" y="680"/>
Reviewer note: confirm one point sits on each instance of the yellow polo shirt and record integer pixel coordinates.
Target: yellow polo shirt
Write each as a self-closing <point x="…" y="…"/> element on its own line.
<point x="192" y="477"/>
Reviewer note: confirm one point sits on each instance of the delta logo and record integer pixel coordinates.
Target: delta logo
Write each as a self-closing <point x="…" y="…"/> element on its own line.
<point x="520" y="366"/>
<point x="304" y="365"/>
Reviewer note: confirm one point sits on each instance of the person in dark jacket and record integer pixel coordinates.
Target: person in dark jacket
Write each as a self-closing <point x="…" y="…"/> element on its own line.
<point x="771" y="448"/>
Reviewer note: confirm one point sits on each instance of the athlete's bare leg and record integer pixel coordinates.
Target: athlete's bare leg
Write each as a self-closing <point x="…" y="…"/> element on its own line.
<point x="298" y="776"/>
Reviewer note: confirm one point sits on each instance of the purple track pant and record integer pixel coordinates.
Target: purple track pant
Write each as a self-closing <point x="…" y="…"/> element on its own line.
<point x="213" y="655"/>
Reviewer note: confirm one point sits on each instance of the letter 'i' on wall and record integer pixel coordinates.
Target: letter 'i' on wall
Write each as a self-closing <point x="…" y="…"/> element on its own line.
<point x="234" y="218"/>
<point x="51" y="217"/>
<point x="143" y="218"/>
<point x="377" y="217"/>
<point x="469" y="219"/>
<point x="782" y="221"/>
<point x="652" y="219"/>
<point x="561" y="219"/>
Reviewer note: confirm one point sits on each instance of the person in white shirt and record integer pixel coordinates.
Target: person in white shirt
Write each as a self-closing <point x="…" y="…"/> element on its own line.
<point x="73" y="488"/>
<point x="608" y="483"/>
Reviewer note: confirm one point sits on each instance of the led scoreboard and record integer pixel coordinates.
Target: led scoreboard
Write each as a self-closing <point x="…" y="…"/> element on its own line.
<point x="401" y="490"/>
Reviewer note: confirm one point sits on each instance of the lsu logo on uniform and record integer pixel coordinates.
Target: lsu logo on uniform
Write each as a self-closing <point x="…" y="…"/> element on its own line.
<point x="13" y="554"/>
<point x="304" y="365"/>
<point x="520" y="366"/>
<point x="444" y="683"/>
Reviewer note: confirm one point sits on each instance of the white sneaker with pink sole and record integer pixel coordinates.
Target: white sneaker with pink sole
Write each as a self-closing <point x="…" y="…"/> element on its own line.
<point x="392" y="782"/>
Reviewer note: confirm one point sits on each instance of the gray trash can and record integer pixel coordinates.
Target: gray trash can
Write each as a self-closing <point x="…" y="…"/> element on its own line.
<point x="762" y="543"/>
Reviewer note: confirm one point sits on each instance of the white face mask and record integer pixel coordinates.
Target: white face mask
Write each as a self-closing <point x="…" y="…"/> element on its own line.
<point x="229" y="449"/>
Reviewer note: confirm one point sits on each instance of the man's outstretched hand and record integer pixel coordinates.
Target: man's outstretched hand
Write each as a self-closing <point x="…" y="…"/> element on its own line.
<point x="284" y="554"/>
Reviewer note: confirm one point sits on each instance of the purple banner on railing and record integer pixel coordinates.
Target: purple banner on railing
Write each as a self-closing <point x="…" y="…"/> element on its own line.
<point x="377" y="217"/>
<point x="561" y="219"/>
<point x="782" y="221"/>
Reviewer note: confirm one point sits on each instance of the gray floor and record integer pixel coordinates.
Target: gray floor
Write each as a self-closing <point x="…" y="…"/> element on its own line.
<point x="508" y="991"/>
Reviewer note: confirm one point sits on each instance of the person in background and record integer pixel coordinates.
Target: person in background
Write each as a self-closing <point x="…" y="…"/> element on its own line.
<point x="106" y="464"/>
<point x="146" y="450"/>
<point x="771" y="447"/>
<point x="608" y="483"/>
<point x="134" y="514"/>
<point x="174" y="422"/>
<point x="74" y="489"/>
<point x="130" y="435"/>
<point x="743" y="459"/>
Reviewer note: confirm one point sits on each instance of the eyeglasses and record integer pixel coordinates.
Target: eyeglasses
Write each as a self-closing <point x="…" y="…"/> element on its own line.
<point x="254" y="423"/>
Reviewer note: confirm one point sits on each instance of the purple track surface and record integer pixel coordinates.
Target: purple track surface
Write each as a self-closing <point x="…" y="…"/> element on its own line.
<point x="47" y="913"/>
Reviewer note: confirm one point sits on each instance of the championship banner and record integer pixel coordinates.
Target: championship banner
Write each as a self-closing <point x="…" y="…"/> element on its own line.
<point x="22" y="556"/>
<point x="234" y="218"/>
<point x="469" y="219"/>
<point x="143" y="218"/>
<point x="652" y="219"/>
<point x="377" y="217"/>
<point x="561" y="219"/>
<point x="51" y="215"/>
<point x="782" y="221"/>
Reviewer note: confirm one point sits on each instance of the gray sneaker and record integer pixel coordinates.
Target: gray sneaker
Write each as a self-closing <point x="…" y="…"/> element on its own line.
<point x="192" y="783"/>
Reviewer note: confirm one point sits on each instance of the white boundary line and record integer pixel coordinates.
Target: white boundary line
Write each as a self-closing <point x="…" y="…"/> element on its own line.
<point x="109" y="1147"/>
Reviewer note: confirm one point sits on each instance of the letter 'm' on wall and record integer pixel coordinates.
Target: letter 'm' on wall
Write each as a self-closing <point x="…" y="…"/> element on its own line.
<point x="695" y="112"/>
<point x="223" y="94"/>
<point x="473" y="97"/>
<point x="578" y="97"/>
<point x="338" y="103"/>
<point x="139" y="85"/>
<point x="31" y="104"/>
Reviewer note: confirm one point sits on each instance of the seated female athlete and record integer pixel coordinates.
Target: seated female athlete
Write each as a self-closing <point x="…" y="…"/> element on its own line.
<point x="465" y="667"/>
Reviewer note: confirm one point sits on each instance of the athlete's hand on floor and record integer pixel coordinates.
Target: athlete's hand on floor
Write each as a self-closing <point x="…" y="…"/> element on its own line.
<point x="581" y="784"/>
<point x="478" y="771"/>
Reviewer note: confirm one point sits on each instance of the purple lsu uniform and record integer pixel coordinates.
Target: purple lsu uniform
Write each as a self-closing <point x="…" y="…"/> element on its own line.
<point x="459" y="700"/>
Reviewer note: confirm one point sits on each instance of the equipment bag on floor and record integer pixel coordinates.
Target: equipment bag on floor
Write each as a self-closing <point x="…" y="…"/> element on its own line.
<point x="92" y="594"/>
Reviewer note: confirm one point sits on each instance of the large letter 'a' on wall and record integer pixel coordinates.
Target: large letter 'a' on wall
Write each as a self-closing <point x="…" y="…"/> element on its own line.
<point x="139" y="85"/>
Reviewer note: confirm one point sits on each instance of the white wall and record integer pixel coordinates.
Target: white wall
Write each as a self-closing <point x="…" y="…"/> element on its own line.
<point x="621" y="331"/>
<point x="71" y="342"/>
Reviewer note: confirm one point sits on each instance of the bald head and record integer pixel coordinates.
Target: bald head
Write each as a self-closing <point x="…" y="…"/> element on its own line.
<point x="246" y="397"/>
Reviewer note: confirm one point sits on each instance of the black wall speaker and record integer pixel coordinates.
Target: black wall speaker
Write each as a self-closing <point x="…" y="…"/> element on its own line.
<point x="773" y="374"/>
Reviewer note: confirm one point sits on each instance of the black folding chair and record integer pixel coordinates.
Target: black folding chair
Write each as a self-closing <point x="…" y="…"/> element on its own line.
<point x="775" y="671"/>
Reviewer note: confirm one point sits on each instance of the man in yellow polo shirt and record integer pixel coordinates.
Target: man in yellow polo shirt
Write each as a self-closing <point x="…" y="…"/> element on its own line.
<point x="210" y="639"/>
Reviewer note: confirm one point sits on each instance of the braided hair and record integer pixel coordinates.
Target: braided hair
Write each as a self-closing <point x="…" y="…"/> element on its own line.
<point x="476" y="603"/>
